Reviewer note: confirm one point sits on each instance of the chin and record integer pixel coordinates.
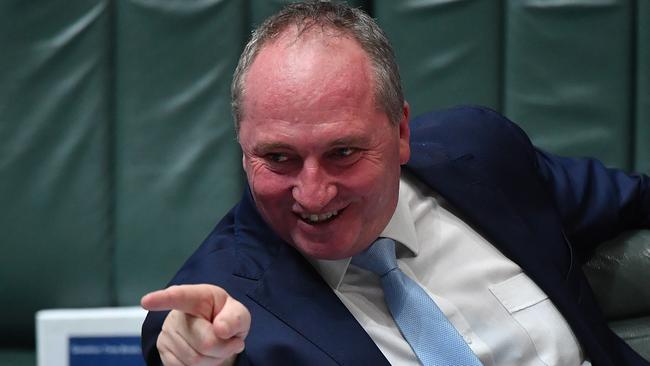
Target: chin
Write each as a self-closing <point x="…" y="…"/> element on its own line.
<point x="326" y="250"/>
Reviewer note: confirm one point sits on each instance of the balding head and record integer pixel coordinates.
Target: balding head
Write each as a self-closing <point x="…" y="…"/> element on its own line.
<point x="335" y="20"/>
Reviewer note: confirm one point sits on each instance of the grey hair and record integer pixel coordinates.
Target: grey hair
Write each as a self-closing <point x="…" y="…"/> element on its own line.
<point x="328" y="15"/>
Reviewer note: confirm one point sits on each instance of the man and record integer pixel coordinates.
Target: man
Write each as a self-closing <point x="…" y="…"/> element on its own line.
<point x="484" y="224"/>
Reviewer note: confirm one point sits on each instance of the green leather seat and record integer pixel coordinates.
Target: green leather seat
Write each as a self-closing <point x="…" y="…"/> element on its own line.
<point x="618" y="273"/>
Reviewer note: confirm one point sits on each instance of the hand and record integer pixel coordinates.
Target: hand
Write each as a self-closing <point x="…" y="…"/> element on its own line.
<point x="205" y="326"/>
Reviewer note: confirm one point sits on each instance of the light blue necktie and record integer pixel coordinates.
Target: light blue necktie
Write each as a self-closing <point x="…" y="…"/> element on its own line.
<point x="424" y="326"/>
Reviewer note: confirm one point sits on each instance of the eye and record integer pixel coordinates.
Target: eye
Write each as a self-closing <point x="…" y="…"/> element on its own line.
<point x="343" y="152"/>
<point x="277" y="157"/>
<point x="345" y="155"/>
<point x="280" y="162"/>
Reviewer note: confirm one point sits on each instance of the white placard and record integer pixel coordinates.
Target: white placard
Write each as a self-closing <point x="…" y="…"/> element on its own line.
<point x="55" y="329"/>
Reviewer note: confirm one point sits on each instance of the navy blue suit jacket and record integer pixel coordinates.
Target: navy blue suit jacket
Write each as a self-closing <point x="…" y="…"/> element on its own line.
<point x="544" y="212"/>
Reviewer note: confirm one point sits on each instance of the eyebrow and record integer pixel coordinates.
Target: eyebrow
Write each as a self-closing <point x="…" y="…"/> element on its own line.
<point x="265" y="147"/>
<point x="350" y="140"/>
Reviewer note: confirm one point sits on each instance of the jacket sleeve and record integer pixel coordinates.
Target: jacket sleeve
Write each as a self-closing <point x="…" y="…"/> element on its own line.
<point x="595" y="203"/>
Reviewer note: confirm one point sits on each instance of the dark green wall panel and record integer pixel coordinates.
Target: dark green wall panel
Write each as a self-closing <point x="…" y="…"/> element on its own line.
<point x="642" y="155"/>
<point x="568" y="75"/>
<point x="261" y="9"/>
<point x="448" y="51"/>
<point x="178" y="165"/>
<point x="54" y="182"/>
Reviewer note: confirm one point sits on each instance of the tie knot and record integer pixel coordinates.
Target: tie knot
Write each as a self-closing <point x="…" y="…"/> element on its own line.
<point x="379" y="258"/>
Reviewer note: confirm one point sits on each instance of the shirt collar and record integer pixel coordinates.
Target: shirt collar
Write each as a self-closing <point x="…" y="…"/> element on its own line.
<point x="400" y="228"/>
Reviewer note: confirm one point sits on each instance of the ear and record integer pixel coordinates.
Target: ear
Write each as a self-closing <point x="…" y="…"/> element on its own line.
<point x="244" y="163"/>
<point x="404" y="134"/>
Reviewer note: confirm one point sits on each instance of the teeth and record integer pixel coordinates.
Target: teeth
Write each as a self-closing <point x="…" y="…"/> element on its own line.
<point x="316" y="218"/>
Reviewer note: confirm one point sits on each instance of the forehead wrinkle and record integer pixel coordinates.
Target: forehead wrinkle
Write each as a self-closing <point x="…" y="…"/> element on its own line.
<point x="290" y="142"/>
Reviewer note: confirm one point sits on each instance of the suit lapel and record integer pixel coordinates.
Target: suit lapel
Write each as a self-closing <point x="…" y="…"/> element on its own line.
<point x="291" y="289"/>
<point x="295" y="293"/>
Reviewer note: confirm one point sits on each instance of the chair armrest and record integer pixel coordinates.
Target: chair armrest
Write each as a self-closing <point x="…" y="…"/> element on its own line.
<point x="619" y="273"/>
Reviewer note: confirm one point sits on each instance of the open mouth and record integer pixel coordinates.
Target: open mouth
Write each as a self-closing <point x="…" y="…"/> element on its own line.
<point x="316" y="219"/>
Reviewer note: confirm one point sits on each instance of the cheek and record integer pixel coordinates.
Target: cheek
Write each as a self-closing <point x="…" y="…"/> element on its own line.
<point x="374" y="182"/>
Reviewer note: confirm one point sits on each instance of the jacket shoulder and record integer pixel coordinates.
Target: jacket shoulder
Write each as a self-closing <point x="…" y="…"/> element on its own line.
<point x="474" y="125"/>
<point x="474" y="131"/>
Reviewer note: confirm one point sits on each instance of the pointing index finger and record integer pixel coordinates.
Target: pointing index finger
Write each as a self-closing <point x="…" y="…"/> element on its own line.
<point x="204" y="301"/>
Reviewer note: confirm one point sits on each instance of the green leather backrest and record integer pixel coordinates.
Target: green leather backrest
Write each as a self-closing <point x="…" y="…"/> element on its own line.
<point x="117" y="154"/>
<point x="55" y="191"/>
<point x="642" y="126"/>
<point x="573" y="73"/>
<point x="177" y="165"/>
<point x="261" y="9"/>
<point x="568" y="75"/>
<point x="449" y="52"/>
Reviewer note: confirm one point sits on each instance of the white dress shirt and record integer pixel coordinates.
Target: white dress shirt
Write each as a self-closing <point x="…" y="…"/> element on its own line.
<point x="502" y="314"/>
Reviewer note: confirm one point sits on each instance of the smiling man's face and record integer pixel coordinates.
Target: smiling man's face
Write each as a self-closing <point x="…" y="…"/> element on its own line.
<point x="322" y="161"/>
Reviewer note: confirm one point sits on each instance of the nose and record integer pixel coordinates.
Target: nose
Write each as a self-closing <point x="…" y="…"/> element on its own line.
<point x="314" y="188"/>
